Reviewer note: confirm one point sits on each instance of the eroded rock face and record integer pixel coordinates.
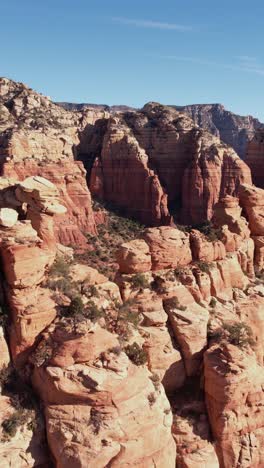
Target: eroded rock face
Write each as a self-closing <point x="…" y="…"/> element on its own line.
<point x="191" y="432"/>
<point x="235" y="130"/>
<point x="252" y="201"/>
<point x="206" y="251"/>
<point x="24" y="266"/>
<point x="38" y="138"/>
<point x="69" y="178"/>
<point x="234" y="398"/>
<point x="169" y="247"/>
<point x="26" y="253"/>
<point x="27" y="447"/>
<point x="134" y="257"/>
<point x="98" y="408"/>
<point x="254" y="157"/>
<point x="123" y="176"/>
<point x="159" y="157"/>
<point x="189" y="326"/>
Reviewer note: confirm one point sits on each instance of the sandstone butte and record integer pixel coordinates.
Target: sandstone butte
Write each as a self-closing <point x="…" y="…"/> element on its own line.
<point x="163" y="364"/>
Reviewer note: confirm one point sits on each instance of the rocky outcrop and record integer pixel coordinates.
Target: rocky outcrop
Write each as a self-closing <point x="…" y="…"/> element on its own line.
<point x="201" y="265"/>
<point x="254" y="157"/>
<point x="171" y="161"/>
<point x="234" y="130"/>
<point x="123" y="169"/>
<point x="191" y="431"/>
<point x="252" y="201"/>
<point x="26" y="253"/>
<point x="204" y="250"/>
<point x="134" y="257"/>
<point x="168" y="247"/>
<point x="38" y="138"/>
<point x="101" y="410"/>
<point x="189" y="325"/>
<point x="69" y="178"/>
<point x="234" y="398"/>
<point x="27" y="447"/>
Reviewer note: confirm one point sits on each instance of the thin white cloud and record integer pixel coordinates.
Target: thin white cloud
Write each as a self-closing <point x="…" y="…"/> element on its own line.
<point x="151" y="24"/>
<point x="243" y="67"/>
<point x="246" y="58"/>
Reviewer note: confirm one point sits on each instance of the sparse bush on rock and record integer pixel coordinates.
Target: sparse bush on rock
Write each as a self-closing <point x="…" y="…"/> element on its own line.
<point x="139" y="281"/>
<point x="76" y="306"/>
<point x="239" y="334"/>
<point x="136" y="354"/>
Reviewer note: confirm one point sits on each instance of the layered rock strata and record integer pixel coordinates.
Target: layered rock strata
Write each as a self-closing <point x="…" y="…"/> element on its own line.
<point x="162" y="160"/>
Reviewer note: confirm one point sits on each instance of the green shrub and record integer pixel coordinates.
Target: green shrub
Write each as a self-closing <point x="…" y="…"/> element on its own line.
<point x="92" y="291"/>
<point x="17" y="390"/>
<point x="60" y="267"/>
<point x="155" y="380"/>
<point x="239" y="334"/>
<point x="151" y="398"/>
<point x="125" y="313"/>
<point x="173" y="303"/>
<point x="42" y="354"/>
<point x="139" y="281"/>
<point x="136" y="354"/>
<point x="213" y="302"/>
<point x="205" y="267"/>
<point x="183" y="228"/>
<point x="158" y="285"/>
<point x="63" y="285"/>
<point x="212" y="234"/>
<point x="92" y="311"/>
<point x="3" y="316"/>
<point x="76" y="306"/>
<point x="95" y="420"/>
<point x="11" y="424"/>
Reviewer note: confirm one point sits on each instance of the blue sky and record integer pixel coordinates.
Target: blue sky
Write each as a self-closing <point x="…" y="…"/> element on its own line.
<point x="130" y="52"/>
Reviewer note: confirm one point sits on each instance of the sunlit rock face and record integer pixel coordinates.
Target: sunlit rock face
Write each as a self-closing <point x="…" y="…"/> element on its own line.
<point x="97" y="405"/>
<point x="234" y="130"/>
<point x="39" y="138"/>
<point x="255" y="156"/>
<point x="157" y="159"/>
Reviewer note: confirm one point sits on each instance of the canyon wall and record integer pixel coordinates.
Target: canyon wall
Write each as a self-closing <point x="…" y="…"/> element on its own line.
<point x="156" y="162"/>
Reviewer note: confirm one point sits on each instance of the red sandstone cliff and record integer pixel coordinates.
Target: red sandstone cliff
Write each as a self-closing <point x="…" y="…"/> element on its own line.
<point x="254" y="157"/>
<point x="39" y="138"/>
<point x="155" y="160"/>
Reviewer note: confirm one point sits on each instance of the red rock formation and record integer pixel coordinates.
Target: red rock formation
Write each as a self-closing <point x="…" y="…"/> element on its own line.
<point x="98" y="408"/>
<point x="170" y="161"/>
<point x="192" y="434"/>
<point x="252" y="201"/>
<point x="24" y="264"/>
<point x="234" y="385"/>
<point x="189" y="325"/>
<point x="39" y="138"/>
<point x="169" y="247"/>
<point x="69" y="178"/>
<point x="254" y="157"/>
<point x="215" y="171"/>
<point x="134" y="257"/>
<point x="123" y="176"/>
<point x="28" y="446"/>
<point x="206" y="251"/>
<point x="25" y="256"/>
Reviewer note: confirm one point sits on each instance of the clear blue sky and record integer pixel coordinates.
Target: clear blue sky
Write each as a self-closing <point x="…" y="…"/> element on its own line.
<point x="131" y="52"/>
